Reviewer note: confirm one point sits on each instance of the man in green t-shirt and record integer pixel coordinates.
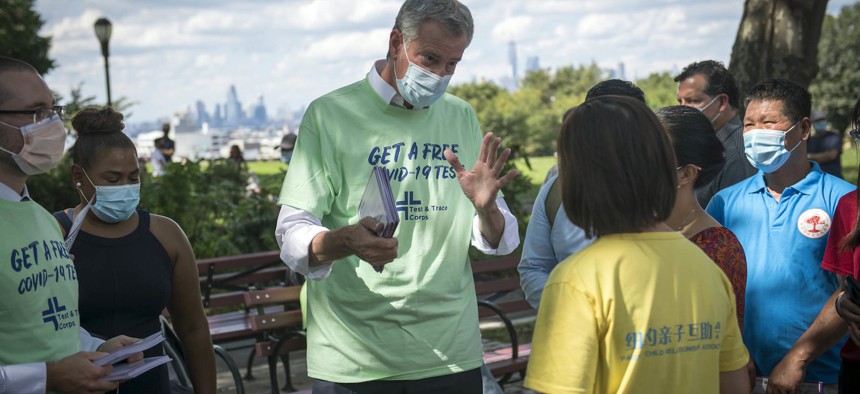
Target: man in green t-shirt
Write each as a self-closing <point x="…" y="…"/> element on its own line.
<point x="41" y="341"/>
<point x="412" y="325"/>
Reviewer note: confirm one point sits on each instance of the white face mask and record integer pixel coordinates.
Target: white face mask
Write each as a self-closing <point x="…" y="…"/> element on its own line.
<point x="702" y="109"/>
<point x="420" y="87"/>
<point x="43" y="145"/>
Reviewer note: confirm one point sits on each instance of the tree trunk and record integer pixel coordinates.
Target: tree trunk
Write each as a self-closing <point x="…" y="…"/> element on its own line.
<point x="777" y="39"/>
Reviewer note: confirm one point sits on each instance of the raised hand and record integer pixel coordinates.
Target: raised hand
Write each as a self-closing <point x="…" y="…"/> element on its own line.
<point x="482" y="183"/>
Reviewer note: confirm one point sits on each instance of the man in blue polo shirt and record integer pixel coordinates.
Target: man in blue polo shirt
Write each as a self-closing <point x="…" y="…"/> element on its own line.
<point x="782" y="216"/>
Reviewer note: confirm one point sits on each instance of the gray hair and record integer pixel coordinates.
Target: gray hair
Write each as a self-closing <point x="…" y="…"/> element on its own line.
<point x="454" y="16"/>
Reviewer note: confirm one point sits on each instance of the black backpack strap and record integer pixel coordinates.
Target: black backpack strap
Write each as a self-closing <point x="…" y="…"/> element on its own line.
<point x="553" y="201"/>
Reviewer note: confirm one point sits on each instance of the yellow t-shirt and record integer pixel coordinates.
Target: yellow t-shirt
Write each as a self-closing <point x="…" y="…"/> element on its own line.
<point x="636" y="313"/>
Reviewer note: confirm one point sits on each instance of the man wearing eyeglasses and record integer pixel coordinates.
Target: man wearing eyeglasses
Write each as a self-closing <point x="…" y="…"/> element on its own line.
<point x="41" y="341"/>
<point x="710" y="88"/>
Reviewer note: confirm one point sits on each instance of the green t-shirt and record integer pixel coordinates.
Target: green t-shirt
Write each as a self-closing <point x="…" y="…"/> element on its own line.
<point x="418" y="318"/>
<point x="38" y="287"/>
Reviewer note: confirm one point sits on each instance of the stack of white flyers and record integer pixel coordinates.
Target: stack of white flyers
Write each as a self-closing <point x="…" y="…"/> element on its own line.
<point x="378" y="202"/>
<point x="125" y="371"/>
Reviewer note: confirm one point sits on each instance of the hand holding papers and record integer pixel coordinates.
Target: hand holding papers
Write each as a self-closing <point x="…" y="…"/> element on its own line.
<point x="131" y="370"/>
<point x="377" y="202"/>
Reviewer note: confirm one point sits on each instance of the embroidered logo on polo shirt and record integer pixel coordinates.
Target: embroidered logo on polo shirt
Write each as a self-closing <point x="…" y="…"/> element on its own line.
<point x="814" y="223"/>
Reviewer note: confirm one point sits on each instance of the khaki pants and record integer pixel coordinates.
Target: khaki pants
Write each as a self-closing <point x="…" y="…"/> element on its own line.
<point x="805" y="388"/>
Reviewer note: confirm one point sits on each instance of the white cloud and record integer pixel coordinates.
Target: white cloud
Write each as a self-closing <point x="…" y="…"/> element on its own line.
<point x="167" y="54"/>
<point x="347" y="45"/>
<point x="513" y="27"/>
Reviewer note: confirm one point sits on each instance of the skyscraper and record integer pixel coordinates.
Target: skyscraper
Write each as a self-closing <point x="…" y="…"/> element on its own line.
<point x="217" y="118"/>
<point x="202" y="115"/>
<point x="233" y="115"/>
<point x="532" y="63"/>
<point x="258" y="115"/>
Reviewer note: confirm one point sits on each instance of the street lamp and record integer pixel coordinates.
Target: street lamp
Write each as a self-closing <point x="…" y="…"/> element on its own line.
<point x="103" y="30"/>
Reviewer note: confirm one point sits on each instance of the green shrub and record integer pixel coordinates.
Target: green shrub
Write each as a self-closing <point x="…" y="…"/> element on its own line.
<point x="209" y="200"/>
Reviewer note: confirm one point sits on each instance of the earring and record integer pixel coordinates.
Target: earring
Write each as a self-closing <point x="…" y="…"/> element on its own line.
<point x="78" y="185"/>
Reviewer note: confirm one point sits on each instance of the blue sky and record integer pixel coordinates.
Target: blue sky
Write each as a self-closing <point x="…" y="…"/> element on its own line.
<point x="166" y="54"/>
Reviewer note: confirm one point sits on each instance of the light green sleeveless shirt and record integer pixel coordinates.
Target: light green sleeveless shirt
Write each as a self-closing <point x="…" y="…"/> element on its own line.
<point x="38" y="287"/>
<point x="418" y="318"/>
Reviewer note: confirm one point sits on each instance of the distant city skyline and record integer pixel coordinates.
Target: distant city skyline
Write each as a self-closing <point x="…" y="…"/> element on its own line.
<point x="168" y="55"/>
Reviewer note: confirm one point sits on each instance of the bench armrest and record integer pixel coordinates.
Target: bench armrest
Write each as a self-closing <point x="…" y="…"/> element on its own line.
<point x="512" y="333"/>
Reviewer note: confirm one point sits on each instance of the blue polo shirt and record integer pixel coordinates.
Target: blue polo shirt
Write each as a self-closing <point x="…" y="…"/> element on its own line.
<point x="784" y="243"/>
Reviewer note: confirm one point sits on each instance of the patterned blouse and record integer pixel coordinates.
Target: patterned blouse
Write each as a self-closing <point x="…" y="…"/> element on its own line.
<point x="722" y="246"/>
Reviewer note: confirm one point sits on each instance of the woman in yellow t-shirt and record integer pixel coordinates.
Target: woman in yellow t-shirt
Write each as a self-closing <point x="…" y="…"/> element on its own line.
<point x="642" y="309"/>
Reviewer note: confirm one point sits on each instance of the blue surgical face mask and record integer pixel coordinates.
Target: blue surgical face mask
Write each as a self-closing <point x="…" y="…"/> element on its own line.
<point x="115" y="204"/>
<point x="765" y="148"/>
<point x="819" y="125"/>
<point x="420" y="87"/>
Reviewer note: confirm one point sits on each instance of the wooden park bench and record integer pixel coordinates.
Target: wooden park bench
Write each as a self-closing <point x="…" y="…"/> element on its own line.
<point x="257" y="296"/>
<point x="495" y="279"/>
<point x="223" y="284"/>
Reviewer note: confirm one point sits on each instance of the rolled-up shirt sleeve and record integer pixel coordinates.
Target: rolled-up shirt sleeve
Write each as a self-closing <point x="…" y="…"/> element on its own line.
<point x="294" y="232"/>
<point x="510" y="237"/>
<point x="23" y="378"/>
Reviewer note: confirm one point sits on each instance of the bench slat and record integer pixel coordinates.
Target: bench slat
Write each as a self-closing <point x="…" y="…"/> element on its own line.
<point x="508" y="307"/>
<point x="497" y="286"/>
<point x="277" y="295"/>
<point x="274" y="321"/>
<point x="495" y="265"/>
<point x="266" y="348"/>
<point x="264" y="275"/>
<point x="245" y="260"/>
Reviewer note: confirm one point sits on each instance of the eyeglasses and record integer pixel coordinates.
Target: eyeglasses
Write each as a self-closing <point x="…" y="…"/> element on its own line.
<point x="38" y="114"/>
<point x="855" y="134"/>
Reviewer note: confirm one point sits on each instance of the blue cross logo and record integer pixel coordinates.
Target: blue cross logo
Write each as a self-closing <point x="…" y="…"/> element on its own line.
<point x="407" y="201"/>
<point x="50" y="314"/>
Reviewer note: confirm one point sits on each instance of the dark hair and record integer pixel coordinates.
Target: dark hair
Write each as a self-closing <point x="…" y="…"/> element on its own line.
<point x="796" y="101"/>
<point x="615" y="87"/>
<point x="97" y="128"/>
<point x="610" y="87"/>
<point x="617" y="167"/>
<point x="165" y="127"/>
<point x="694" y="141"/>
<point x="718" y="80"/>
<point x="852" y="240"/>
<point x="8" y="64"/>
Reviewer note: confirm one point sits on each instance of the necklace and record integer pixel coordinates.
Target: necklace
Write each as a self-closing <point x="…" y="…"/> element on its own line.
<point x="683" y="222"/>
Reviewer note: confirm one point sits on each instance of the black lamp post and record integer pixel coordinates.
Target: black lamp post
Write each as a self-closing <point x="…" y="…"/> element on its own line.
<point x="103" y="30"/>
